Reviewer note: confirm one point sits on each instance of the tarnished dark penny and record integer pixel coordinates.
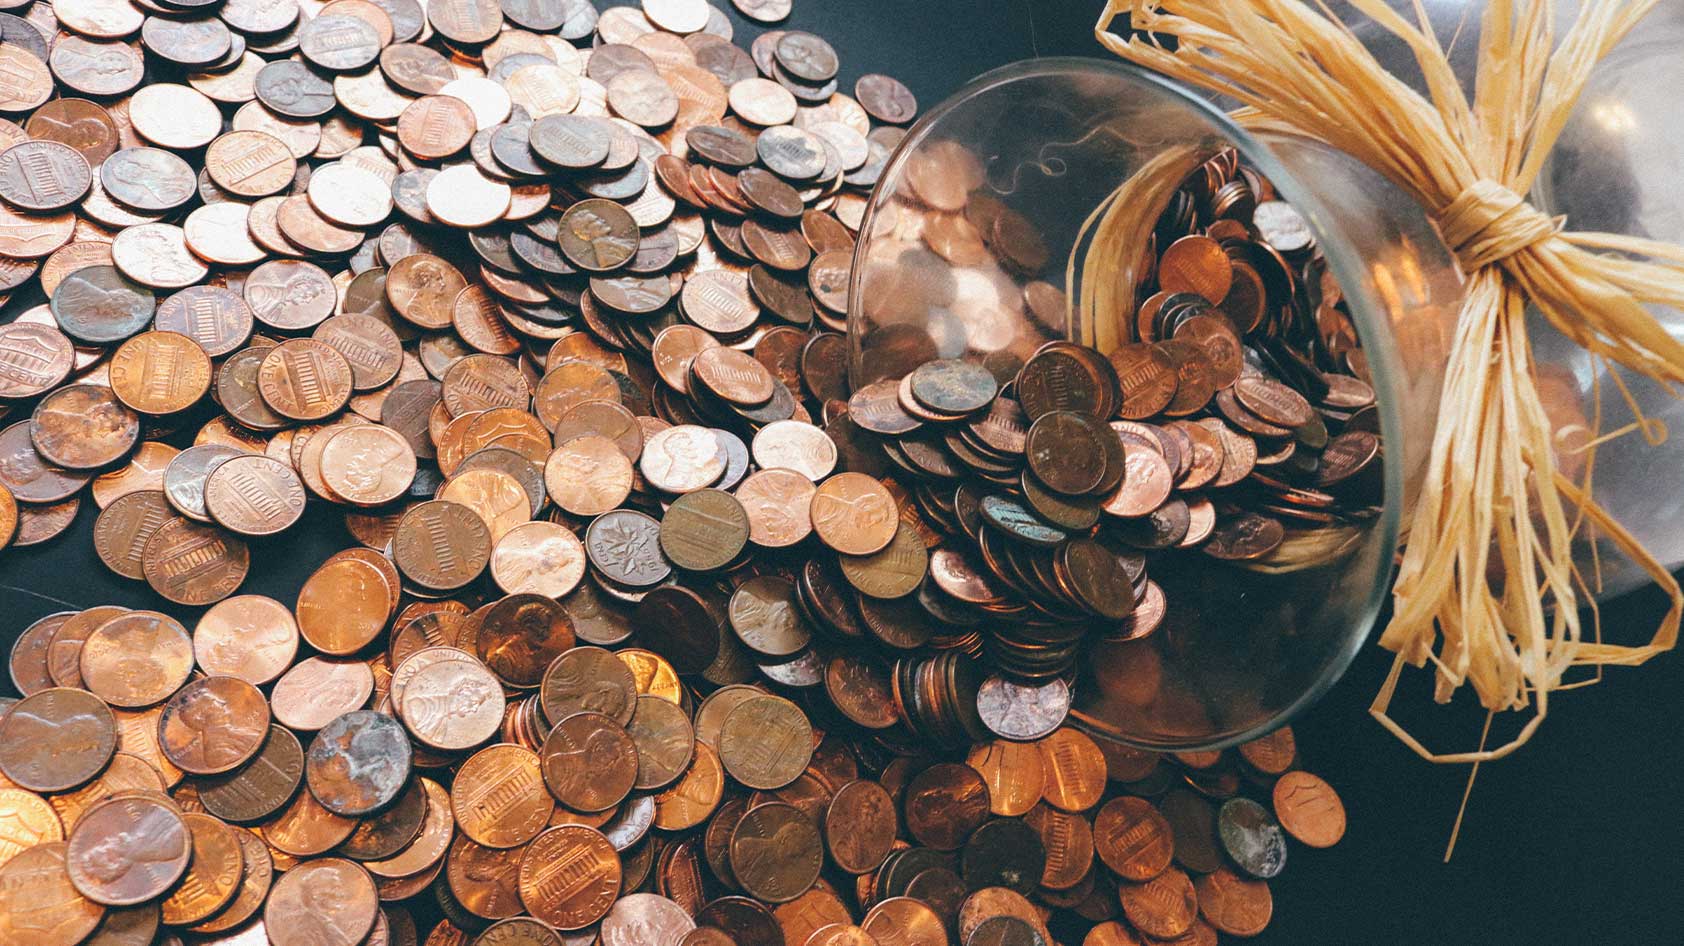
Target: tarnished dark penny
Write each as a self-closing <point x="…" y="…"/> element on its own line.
<point x="664" y="739"/>
<point x="704" y="530"/>
<point x="598" y="235"/>
<point x="1244" y="537"/>
<point x="83" y="427"/>
<point x="148" y="180"/>
<point x="261" y="787"/>
<point x="213" y="725"/>
<point x="860" y="826"/>
<point x="776" y="852"/>
<point x="441" y="545"/>
<point x="99" y="305"/>
<point x="78" y="724"/>
<point x="590" y="762"/>
<point x="358" y="764"/>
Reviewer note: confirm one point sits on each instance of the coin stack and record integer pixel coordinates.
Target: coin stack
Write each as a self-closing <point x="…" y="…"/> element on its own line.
<point x="650" y="625"/>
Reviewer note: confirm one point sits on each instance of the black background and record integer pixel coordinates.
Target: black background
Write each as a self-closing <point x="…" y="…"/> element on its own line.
<point x="1575" y="839"/>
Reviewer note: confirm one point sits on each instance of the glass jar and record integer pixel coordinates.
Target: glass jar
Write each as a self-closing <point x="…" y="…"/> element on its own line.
<point x="1047" y="141"/>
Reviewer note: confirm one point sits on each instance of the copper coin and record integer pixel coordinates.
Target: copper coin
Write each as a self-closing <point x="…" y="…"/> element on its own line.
<point x="664" y="739"/>
<point x="160" y="372"/>
<point x="1132" y="838"/>
<point x="83" y="426"/>
<point x="719" y="301"/>
<point x="368" y="465"/>
<point x="30" y="821"/>
<point x="451" y="704"/>
<point x="358" y="764"/>
<point x="369" y="346"/>
<point x="776" y="852"/>
<point x="33" y="359"/>
<point x="192" y="564"/>
<point x="569" y="876"/>
<point x="1014" y="773"/>
<point x="1075" y="770"/>
<point x="538" y="558"/>
<point x="79" y="123"/>
<point x="704" y="530"/>
<point x="136" y="659"/>
<point x="1196" y="264"/>
<point x="499" y="796"/>
<point x="441" y="545"/>
<point x="324" y="902"/>
<point x="343" y="606"/>
<point x="521" y="635"/>
<point x="215" y="318"/>
<point x="305" y="829"/>
<point x="1309" y="809"/>
<point x="27" y="476"/>
<point x="1233" y="904"/>
<point x="434" y="127"/>
<point x="290" y="294"/>
<point x="100" y="305"/>
<point x="683" y="458"/>
<point x="777" y="503"/>
<point x="214" y="876"/>
<point x="262" y="787"/>
<point x="1163" y="907"/>
<point x="304" y="379"/>
<point x="257" y="873"/>
<point x="126" y="851"/>
<point x="908" y="920"/>
<point x="590" y="763"/>
<point x="860" y="826"/>
<point x="27" y="663"/>
<point x="250" y="164"/>
<point x="765" y="616"/>
<point x="43" y="176"/>
<point x="254" y="495"/>
<point x="76" y="723"/>
<point x="213" y="725"/>
<point x="64" y="649"/>
<point x="598" y="235"/>
<point x="38" y="904"/>
<point x="766" y="742"/>
<point x="854" y="514"/>
<point x="317" y="690"/>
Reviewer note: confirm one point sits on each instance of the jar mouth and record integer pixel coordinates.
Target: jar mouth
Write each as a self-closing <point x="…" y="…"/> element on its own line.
<point x="1368" y="315"/>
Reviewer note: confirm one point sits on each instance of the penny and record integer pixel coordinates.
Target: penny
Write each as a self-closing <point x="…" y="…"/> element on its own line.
<point x="569" y="877"/>
<point x="1132" y="838"/>
<point x="521" y="635"/>
<point x="1309" y="809"/>
<point x="1163" y="907"/>
<point x="719" y="301"/>
<point x="358" y="764"/>
<point x="1075" y="770"/>
<point x="316" y="691"/>
<point x="254" y="496"/>
<point x="259" y="789"/>
<point x="126" y="851"/>
<point x="76" y="723"/>
<point x="35" y="359"/>
<point x="1014" y="775"/>
<point x="776" y="852"/>
<point x="213" y="725"/>
<point x="598" y="235"/>
<point x="99" y="305"/>
<point x="43" y="176"/>
<point x="323" y="902"/>
<point x="499" y="797"/>
<point x="214" y="876"/>
<point x="38" y="904"/>
<point x="441" y="545"/>
<point x="704" y="530"/>
<point x="859" y="826"/>
<point x="451" y="704"/>
<point x="854" y="514"/>
<point x="664" y="739"/>
<point x="538" y="558"/>
<point x="1252" y="838"/>
<point x="83" y="426"/>
<point x="289" y="294"/>
<point x="304" y="379"/>
<point x="257" y="874"/>
<point x="908" y="920"/>
<point x="367" y="465"/>
<point x="160" y="373"/>
<point x="369" y="346"/>
<point x="136" y="659"/>
<point x="894" y="572"/>
<point x="590" y="763"/>
<point x="765" y="742"/>
<point x="216" y="319"/>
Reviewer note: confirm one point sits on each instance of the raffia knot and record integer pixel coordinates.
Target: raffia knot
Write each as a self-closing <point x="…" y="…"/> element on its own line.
<point x="1488" y="223"/>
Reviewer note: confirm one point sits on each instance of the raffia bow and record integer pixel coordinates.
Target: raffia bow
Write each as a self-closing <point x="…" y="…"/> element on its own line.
<point x="1492" y="488"/>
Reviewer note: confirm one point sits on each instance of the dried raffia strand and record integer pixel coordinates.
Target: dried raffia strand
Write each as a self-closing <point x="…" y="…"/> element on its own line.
<point x="1492" y="486"/>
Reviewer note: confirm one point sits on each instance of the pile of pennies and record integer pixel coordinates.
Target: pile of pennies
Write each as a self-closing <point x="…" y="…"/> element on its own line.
<point x="651" y="632"/>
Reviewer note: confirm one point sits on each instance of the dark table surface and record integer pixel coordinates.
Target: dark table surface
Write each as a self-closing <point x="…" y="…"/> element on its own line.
<point x="1575" y="839"/>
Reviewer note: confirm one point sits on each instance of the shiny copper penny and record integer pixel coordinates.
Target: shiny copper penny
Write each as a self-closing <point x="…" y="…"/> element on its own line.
<point x="78" y="724"/>
<point x="450" y="701"/>
<point x="343" y="606"/>
<point x="257" y="873"/>
<point x="304" y="379"/>
<point x="521" y="635"/>
<point x="1309" y="809"/>
<point x="499" y="796"/>
<point x="484" y="880"/>
<point x="254" y="496"/>
<point x="368" y="465"/>
<point x="854" y="514"/>
<point x="305" y="829"/>
<point x="30" y="821"/>
<point x="160" y="372"/>
<point x="589" y="762"/>
<point x="569" y="876"/>
<point x="1163" y="907"/>
<point x="38" y="904"/>
<point x="777" y="503"/>
<point x="213" y="725"/>
<point x="912" y="921"/>
<point x="126" y="851"/>
<point x="1132" y="838"/>
<point x="325" y="902"/>
<point x="37" y="359"/>
<point x="1075" y="770"/>
<point x="192" y="564"/>
<point x="316" y="690"/>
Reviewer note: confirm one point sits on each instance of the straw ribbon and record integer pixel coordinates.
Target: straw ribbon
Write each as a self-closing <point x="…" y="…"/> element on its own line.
<point x="1488" y="223"/>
